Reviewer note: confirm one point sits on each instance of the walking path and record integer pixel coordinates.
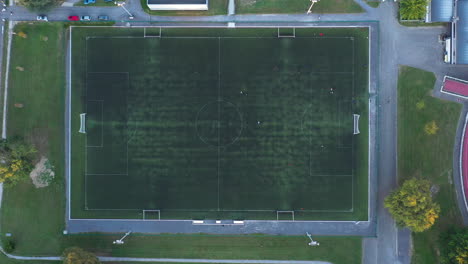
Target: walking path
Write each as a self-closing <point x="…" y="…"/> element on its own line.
<point x="11" y="25"/>
<point x="232" y="7"/>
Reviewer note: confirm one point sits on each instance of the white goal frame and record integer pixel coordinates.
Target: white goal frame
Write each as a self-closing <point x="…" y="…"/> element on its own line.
<point x="284" y="212"/>
<point x="287" y="36"/>
<point x="82" y="123"/>
<point x="151" y="36"/>
<point x="152" y="211"/>
<point x="356" y="124"/>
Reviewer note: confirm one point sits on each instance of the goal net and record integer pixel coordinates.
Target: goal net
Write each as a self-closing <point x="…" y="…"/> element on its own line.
<point x="356" y="124"/>
<point x="83" y="123"/>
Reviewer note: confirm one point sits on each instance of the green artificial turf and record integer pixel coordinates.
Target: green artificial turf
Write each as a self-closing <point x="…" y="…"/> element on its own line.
<point x="234" y="122"/>
<point x="431" y="156"/>
<point x="296" y="6"/>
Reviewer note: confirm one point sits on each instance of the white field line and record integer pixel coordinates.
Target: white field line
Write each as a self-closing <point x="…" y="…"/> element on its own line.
<point x="68" y="122"/>
<point x="216" y="26"/>
<point x="369" y="134"/>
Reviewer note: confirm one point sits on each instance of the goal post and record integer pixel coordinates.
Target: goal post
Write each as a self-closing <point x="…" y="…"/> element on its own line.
<point x="82" y="123"/>
<point x="152" y="32"/>
<point x="356" y="124"/>
<point x="286" y="32"/>
<point x="284" y="215"/>
<point x="151" y="215"/>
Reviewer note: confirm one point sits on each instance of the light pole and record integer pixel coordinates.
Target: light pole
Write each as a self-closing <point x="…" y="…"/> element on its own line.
<point x="312" y="242"/>
<point x="122" y="4"/>
<point x="120" y="241"/>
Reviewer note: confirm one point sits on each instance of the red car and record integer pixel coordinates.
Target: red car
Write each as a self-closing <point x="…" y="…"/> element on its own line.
<point x="73" y="18"/>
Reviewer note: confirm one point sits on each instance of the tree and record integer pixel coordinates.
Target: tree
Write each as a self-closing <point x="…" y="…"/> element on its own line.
<point x="431" y="128"/>
<point x="40" y="5"/>
<point x="76" y="255"/>
<point x="411" y="205"/>
<point x="413" y="9"/>
<point x="15" y="161"/>
<point x="21" y="34"/>
<point x="455" y="246"/>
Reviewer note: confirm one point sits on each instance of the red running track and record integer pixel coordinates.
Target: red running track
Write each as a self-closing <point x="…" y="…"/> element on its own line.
<point x="455" y="87"/>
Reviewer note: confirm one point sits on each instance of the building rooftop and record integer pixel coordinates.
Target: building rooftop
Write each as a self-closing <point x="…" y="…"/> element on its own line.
<point x="441" y="10"/>
<point x="177" y="2"/>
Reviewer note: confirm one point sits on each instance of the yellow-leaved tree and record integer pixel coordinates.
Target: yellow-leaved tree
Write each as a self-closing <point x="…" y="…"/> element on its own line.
<point x="411" y="205"/>
<point x="76" y="255"/>
<point x="15" y="161"/>
<point x="455" y="246"/>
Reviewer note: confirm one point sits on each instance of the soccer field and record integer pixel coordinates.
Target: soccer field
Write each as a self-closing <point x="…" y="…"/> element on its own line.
<point x="219" y="123"/>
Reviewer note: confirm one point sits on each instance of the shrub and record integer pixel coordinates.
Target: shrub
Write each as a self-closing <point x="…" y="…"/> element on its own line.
<point x="413" y="9"/>
<point x="76" y="255"/>
<point x="9" y="245"/>
<point x="40" y="5"/>
<point x="431" y="128"/>
<point x="455" y="246"/>
<point x="15" y="161"/>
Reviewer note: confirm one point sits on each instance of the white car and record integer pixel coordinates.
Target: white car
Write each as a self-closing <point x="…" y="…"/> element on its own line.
<point x="85" y="18"/>
<point x="42" y="18"/>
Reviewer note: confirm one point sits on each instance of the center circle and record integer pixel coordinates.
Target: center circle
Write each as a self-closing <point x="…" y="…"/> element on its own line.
<point x="219" y="123"/>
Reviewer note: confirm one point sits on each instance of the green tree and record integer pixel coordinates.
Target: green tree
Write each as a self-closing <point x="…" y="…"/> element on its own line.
<point x="15" y="161"/>
<point x="411" y="205"/>
<point x="455" y="246"/>
<point x="413" y="9"/>
<point x="40" y="5"/>
<point x="76" y="255"/>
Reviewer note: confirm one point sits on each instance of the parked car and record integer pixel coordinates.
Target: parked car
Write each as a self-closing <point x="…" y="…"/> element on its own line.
<point x="42" y="18"/>
<point x="87" y="2"/>
<point x="103" y="17"/>
<point x="73" y="18"/>
<point x="85" y="18"/>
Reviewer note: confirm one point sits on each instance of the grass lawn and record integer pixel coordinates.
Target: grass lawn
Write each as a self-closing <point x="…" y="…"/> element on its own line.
<point x="216" y="247"/>
<point x="35" y="216"/>
<point x="226" y="247"/>
<point x="29" y="212"/>
<point x="431" y="157"/>
<point x="296" y="6"/>
<point x="373" y="4"/>
<point x="216" y="7"/>
<point x="423" y="24"/>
